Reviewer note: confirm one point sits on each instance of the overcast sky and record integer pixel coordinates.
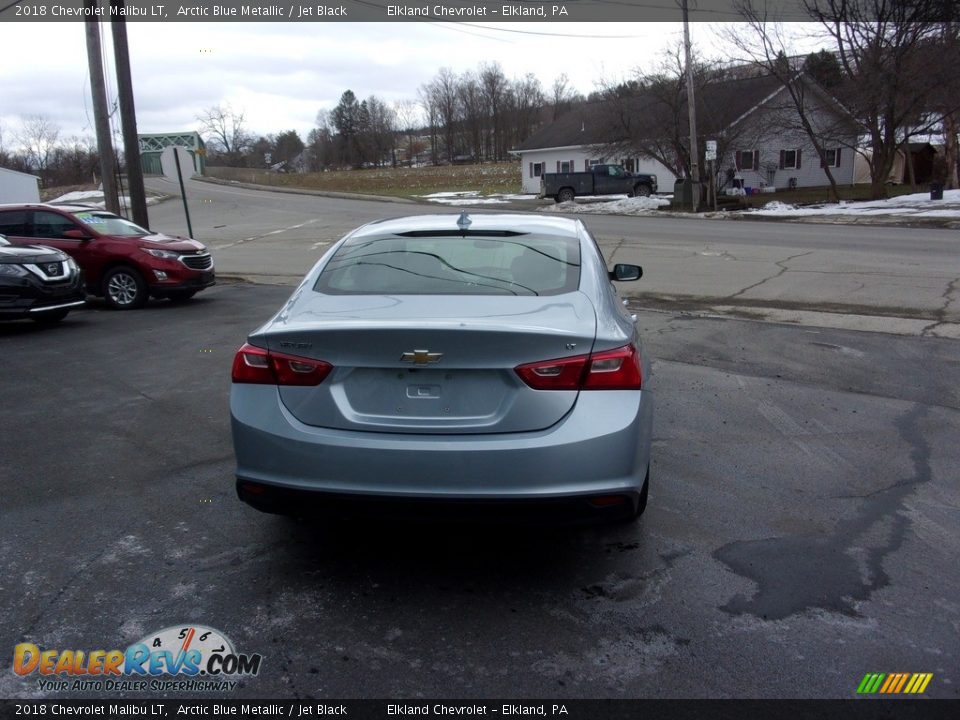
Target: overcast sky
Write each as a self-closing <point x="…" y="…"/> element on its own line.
<point x="282" y="74"/>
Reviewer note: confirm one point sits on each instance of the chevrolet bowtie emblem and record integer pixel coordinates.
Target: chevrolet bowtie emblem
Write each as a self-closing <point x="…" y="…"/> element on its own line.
<point x="421" y="357"/>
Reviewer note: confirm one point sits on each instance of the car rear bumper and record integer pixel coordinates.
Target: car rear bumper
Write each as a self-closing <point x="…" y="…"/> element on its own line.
<point x="600" y="448"/>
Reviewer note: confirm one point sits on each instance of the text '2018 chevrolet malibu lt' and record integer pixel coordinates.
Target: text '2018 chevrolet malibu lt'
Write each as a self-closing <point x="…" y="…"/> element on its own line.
<point x="476" y="364"/>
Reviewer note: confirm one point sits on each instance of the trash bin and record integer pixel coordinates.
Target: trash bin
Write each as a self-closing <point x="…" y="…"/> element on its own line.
<point x="683" y="193"/>
<point x="936" y="191"/>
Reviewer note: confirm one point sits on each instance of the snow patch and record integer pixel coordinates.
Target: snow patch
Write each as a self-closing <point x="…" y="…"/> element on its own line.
<point x="625" y="206"/>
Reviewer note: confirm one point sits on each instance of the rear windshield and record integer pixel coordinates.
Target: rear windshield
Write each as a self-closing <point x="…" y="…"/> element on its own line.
<point x="108" y="224"/>
<point x="522" y="265"/>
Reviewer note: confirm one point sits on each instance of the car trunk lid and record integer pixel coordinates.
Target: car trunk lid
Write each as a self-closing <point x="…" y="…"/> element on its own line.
<point x="430" y="364"/>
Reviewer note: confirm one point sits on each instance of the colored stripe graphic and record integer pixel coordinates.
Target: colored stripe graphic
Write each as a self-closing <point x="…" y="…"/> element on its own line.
<point x="894" y="683"/>
<point x="875" y="681"/>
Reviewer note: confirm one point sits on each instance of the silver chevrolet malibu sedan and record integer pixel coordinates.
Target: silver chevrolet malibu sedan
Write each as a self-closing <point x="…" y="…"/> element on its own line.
<point x="468" y="366"/>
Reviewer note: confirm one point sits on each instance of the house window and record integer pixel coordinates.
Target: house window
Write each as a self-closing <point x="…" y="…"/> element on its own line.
<point x="536" y="169"/>
<point x="591" y="163"/>
<point x="789" y="159"/>
<point x="564" y="166"/>
<point x="629" y="164"/>
<point x="831" y="157"/>
<point x="747" y="159"/>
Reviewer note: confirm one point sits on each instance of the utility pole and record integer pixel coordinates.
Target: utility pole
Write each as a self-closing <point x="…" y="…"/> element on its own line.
<point x="101" y="116"/>
<point x="128" y="116"/>
<point x="692" y="106"/>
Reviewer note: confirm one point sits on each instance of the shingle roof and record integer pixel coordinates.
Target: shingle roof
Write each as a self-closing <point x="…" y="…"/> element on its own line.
<point x="719" y="104"/>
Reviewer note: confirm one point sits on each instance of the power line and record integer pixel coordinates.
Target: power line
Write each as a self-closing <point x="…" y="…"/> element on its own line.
<point x="13" y="4"/>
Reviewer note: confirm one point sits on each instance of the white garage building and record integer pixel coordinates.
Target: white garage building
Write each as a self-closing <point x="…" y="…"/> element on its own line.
<point x="18" y="187"/>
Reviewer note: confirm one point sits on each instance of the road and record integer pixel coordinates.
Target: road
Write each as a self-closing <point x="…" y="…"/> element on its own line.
<point x="893" y="279"/>
<point x="801" y="532"/>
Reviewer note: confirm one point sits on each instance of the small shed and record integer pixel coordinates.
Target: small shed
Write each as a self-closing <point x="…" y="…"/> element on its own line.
<point x="153" y="145"/>
<point x="18" y="187"/>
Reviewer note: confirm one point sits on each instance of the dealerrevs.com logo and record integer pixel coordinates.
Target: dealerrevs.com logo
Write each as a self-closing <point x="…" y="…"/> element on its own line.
<point x="180" y="658"/>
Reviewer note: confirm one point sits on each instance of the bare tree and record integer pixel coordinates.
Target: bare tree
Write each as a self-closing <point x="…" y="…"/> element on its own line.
<point x="563" y="96"/>
<point x="428" y="100"/>
<point x="884" y="48"/>
<point x="321" y="148"/>
<point x="765" y="43"/>
<point x="496" y="89"/>
<point x="648" y="114"/>
<point x="74" y="161"/>
<point x="38" y="136"/>
<point x="408" y="120"/>
<point x="947" y="107"/>
<point x="447" y="100"/>
<point x="528" y="103"/>
<point x="474" y="114"/>
<point x="226" y="127"/>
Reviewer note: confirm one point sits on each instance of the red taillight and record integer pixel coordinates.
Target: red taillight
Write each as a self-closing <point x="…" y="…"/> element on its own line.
<point x="563" y="374"/>
<point x="263" y="367"/>
<point x="617" y="369"/>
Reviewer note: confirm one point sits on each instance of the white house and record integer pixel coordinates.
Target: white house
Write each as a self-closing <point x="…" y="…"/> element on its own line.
<point x="757" y="132"/>
<point x="18" y="187"/>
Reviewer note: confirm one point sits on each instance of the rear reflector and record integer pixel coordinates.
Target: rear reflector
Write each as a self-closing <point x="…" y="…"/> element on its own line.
<point x="262" y="367"/>
<point x="617" y="369"/>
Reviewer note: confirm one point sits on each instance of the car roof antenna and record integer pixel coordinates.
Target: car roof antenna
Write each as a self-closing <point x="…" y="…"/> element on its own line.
<point x="464" y="222"/>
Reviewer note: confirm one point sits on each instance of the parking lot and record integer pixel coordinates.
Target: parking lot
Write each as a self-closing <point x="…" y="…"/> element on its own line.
<point x="801" y="532"/>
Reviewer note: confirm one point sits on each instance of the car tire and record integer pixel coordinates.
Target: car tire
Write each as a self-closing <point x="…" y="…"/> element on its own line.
<point x="124" y="288"/>
<point x="565" y="195"/>
<point x="642" y="191"/>
<point x="50" y="318"/>
<point x="179" y="296"/>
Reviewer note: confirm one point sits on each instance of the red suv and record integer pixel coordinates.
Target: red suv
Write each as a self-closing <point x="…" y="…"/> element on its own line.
<point x="121" y="262"/>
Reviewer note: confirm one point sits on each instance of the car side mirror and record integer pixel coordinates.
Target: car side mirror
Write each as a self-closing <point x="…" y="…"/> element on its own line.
<point x="625" y="272"/>
<point x="75" y="234"/>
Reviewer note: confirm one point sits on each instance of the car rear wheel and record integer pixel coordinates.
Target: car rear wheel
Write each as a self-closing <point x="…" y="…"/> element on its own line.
<point x="51" y="317"/>
<point x="565" y="195"/>
<point x="124" y="288"/>
<point x="179" y="296"/>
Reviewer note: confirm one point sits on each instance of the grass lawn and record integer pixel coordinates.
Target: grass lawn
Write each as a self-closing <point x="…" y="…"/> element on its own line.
<point x="818" y="195"/>
<point x="486" y="178"/>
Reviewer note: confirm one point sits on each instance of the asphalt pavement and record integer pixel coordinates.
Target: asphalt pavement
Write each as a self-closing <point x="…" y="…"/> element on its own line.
<point x="801" y="532"/>
<point x="902" y="280"/>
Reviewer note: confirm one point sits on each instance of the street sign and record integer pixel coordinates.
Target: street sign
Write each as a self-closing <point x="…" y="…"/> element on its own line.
<point x="711" y="153"/>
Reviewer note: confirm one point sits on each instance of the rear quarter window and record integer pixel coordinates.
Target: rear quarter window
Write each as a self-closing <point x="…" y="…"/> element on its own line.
<point x="397" y="265"/>
<point x="13" y="223"/>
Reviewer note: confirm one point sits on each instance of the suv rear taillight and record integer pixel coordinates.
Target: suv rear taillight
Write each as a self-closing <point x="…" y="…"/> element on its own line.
<point x="617" y="369"/>
<point x="263" y="367"/>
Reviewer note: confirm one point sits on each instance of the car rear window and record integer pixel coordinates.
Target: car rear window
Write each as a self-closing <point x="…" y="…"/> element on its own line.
<point x="395" y="265"/>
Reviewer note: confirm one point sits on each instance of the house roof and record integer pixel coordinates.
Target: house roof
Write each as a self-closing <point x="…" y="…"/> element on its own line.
<point x="719" y="104"/>
<point x="17" y="172"/>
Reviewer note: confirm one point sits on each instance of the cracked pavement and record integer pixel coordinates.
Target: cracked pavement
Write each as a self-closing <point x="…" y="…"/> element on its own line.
<point x="851" y="276"/>
<point x="802" y="526"/>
